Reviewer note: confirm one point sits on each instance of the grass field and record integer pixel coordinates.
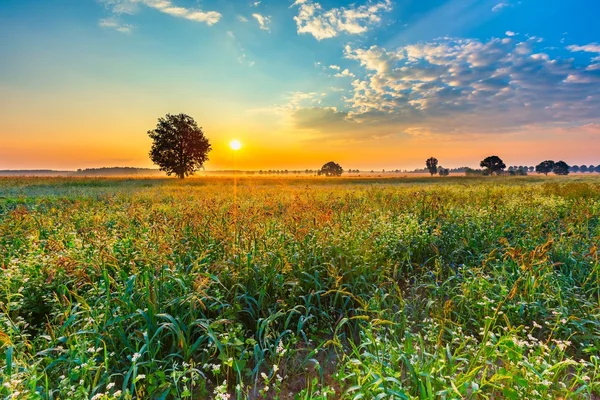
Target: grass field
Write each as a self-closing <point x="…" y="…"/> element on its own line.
<point x="408" y="288"/>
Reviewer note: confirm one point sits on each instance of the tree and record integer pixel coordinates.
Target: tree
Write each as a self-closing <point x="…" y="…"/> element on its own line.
<point x="522" y="171"/>
<point x="443" y="171"/>
<point x="331" y="169"/>
<point x="180" y="146"/>
<point x="494" y="164"/>
<point x="583" y="168"/>
<point x="545" y="167"/>
<point x="574" y="168"/>
<point x="561" y="168"/>
<point x="597" y="169"/>
<point x="432" y="164"/>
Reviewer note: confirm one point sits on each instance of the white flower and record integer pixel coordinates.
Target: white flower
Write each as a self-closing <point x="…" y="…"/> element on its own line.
<point x="110" y="386"/>
<point x="275" y="368"/>
<point x="135" y="357"/>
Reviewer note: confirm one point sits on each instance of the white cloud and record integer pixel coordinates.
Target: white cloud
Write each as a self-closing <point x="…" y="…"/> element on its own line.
<point x="589" y="48"/>
<point x="336" y="67"/>
<point x="263" y="21"/>
<point x="500" y="6"/>
<point x="164" y="6"/>
<point x="345" y="73"/>
<point x="324" y="24"/>
<point x="114" y="24"/>
<point x="510" y="33"/>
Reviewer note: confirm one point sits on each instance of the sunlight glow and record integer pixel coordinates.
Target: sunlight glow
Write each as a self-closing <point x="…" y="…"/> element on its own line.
<point x="235" y="145"/>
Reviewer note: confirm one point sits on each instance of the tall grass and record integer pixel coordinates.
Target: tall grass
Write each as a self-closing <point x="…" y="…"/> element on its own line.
<point x="408" y="289"/>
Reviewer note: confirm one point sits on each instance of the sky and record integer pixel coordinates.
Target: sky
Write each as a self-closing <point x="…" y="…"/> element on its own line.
<point x="381" y="84"/>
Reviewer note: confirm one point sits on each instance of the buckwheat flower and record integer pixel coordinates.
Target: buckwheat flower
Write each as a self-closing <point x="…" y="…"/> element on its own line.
<point x="135" y="357"/>
<point x="275" y="368"/>
<point x="110" y="386"/>
<point x="264" y="376"/>
<point x="117" y="393"/>
<point x="97" y="396"/>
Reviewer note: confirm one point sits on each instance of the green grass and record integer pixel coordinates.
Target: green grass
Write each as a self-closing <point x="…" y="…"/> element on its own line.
<point x="407" y="288"/>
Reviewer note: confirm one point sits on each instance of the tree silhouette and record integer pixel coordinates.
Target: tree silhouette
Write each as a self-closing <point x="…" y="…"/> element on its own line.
<point x="494" y="164"/>
<point x="179" y="146"/>
<point x="561" y="168"/>
<point x="574" y="168"/>
<point x="331" y="169"/>
<point x="545" y="167"/>
<point x="432" y="164"/>
<point x="443" y="171"/>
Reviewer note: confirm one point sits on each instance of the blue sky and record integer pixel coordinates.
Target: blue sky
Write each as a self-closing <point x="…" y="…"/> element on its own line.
<point x="360" y="77"/>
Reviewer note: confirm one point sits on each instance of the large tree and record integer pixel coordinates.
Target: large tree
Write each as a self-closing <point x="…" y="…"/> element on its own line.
<point x="545" y="167"/>
<point x="432" y="165"/>
<point x="561" y="168"/>
<point x="331" y="169"/>
<point x="494" y="164"/>
<point x="179" y="146"/>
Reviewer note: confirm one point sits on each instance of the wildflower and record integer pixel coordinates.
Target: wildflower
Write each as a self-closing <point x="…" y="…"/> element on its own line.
<point x="110" y="386"/>
<point x="117" y="393"/>
<point x="275" y="368"/>
<point x="135" y="357"/>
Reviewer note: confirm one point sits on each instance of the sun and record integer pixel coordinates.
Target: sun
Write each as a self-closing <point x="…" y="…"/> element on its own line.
<point x="235" y="145"/>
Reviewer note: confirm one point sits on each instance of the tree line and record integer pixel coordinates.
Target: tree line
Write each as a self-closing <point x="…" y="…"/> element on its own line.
<point x="180" y="148"/>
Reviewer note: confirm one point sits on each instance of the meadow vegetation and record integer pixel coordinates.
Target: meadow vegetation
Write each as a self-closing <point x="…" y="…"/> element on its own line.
<point x="300" y="288"/>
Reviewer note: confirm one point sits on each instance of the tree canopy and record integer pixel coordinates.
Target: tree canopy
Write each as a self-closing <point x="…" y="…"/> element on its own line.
<point x="561" y="168"/>
<point x="432" y="164"/>
<point x="331" y="169"/>
<point x="545" y="167"/>
<point x="493" y="164"/>
<point x="179" y="146"/>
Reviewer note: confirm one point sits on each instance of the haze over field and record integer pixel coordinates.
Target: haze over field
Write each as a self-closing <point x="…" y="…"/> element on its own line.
<point x="371" y="84"/>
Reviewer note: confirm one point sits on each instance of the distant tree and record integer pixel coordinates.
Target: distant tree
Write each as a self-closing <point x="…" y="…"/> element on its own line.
<point x="331" y="169"/>
<point x="522" y="171"/>
<point x="583" y="168"/>
<point x="432" y="165"/>
<point x="443" y="171"/>
<point x="561" y="168"/>
<point x="545" y="167"/>
<point x="574" y="168"/>
<point x="591" y="168"/>
<point x="597" y="169"/>
<point x="531" y="169"/>
<point x="493" y="164"/>
<point x="179" y="146"/>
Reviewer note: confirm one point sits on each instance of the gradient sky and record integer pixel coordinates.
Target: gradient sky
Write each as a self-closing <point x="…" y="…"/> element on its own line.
<point x="370" y="84"/>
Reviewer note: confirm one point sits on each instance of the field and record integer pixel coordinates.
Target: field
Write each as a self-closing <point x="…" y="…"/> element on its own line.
<point x="405" y="288"/>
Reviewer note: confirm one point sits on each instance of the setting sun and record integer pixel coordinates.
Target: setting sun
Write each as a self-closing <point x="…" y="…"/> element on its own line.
<point x="235" y="145"/>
